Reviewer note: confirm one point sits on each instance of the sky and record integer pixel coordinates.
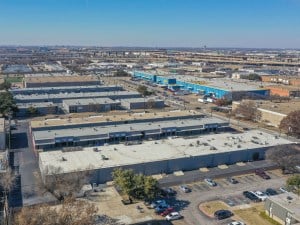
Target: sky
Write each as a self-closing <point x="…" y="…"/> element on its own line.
<point x="151" y="23"/>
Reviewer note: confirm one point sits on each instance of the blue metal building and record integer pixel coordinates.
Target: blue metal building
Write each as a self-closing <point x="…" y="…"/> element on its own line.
<point x="198" y="88"/>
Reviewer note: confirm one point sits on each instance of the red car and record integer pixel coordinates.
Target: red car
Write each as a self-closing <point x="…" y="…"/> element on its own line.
<point x="262" y="174"/>
<point x="167" y="211"/>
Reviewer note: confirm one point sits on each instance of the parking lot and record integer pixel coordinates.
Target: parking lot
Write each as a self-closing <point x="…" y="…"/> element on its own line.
<point x="231" y="194"/>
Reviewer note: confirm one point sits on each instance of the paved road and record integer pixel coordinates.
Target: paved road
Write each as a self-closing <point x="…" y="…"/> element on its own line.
<point x="26" y="160"/>
<point x="232" y="170"/>
<point x="201" y="192"/>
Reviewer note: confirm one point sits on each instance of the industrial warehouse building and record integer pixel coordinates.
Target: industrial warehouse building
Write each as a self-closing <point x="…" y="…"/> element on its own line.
<point x="143" y="103"/>
<point x="285" y="90"/>
<point x="58" y="98"/>
<point x="105" y="120"/>
<point x="58" y="81"/>
<point x="284" y="208"/>
<point x="116" y="133"/>
<point x="42" y="108"/>
<point x="2" y="134"/>
<point x="65" y="89"/>
<point x="215" y="87"/>
<point x="90" y="105"/>
<point x="160" y="156"/>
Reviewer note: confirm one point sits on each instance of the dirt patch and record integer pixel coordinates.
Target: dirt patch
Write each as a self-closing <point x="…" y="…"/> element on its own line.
<point x="109" y="203"/>
<point x="251" y="216"/>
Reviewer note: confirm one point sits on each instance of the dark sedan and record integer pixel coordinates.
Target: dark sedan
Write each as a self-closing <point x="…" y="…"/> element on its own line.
<point x="223" y="214"/>
<point x="271" y="192"/>
<point x="251" y="196"/>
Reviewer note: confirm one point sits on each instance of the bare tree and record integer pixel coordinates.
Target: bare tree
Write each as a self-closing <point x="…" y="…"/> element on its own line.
<point x="286" y="157"/>
<point x="248" y="111"/>
<point x="64" y="185"/>
<point x="150" y="104"/>
<point x="291" y="124"/>
<point x="7" y="180"/>
<point x="70" y="212"/>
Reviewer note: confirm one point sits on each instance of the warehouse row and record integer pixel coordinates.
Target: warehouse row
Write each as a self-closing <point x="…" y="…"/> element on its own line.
<point x="160" y="156"/>
<point x="76" y="95"/>
<point x="118" y="133"/>
<point x="215" y="87"/>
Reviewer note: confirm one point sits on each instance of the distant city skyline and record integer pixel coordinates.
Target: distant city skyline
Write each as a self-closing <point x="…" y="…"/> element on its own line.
<point x="152" y="23"/>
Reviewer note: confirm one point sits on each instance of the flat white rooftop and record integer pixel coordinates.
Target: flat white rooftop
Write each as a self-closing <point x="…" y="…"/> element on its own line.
<point x="139" y="100"/>
<point x="75" y="95"/>
<point x="35" y="104"/>
<point x="64" y="88"/>
<point x="222" y="83"/>
<point x="89" y="101"/>
<point x="289" y="201"/>
<point x="104" y="118"/>
<point x="151" y="151"/>
<point x="123" y="128"/>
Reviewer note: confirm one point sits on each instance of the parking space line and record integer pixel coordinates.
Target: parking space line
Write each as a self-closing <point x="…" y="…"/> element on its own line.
<point x="204" y="187"/>
<point x="223" y="183"/>
<point x="241" y="200"/>
<point x="242" y="180"/>
<point x="272" y="174"/>
<point x="250" y="178"/>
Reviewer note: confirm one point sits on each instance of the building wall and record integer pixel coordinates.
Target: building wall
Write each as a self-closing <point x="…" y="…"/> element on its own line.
<point x="172" y="165"/>
<point x="281" y="79"/>
<point x="158" y="104"/>
<point x="295" y="82"/>
<point x="219" y="93"/>
<point x="2" y="134"/>
<point x="145" y="76"/>
<point x="45" y="110"/>
<point x="279" y="91"/>
<point x="2" y="140"/>
<point x="89" y="108"/>
<point x="165" y="80"/>
<point x="277" y="212"/>
<point x="269" y="117"/>
<point x="121" y="136"/>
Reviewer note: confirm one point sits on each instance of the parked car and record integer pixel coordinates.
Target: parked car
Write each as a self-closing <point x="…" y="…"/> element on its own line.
<point x="236" y="223"/>
<point x="232" y="180"/>
<point x="185" y="189"/>
<point x="169" y="191"/>
<point x="223" y="214"/>
<point x="174" y="216"/>
<point x="167" y="211"/>
<point x="250" y="195"/>
<point x="283" y="190"/>
<point x="271" y="192"/>
<point x="210" y="182"/>
<point x="157" y="203"/>
<point x="262" y="196"/>
<point x="160" y="208"/>
<point x="262" y="174"/>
